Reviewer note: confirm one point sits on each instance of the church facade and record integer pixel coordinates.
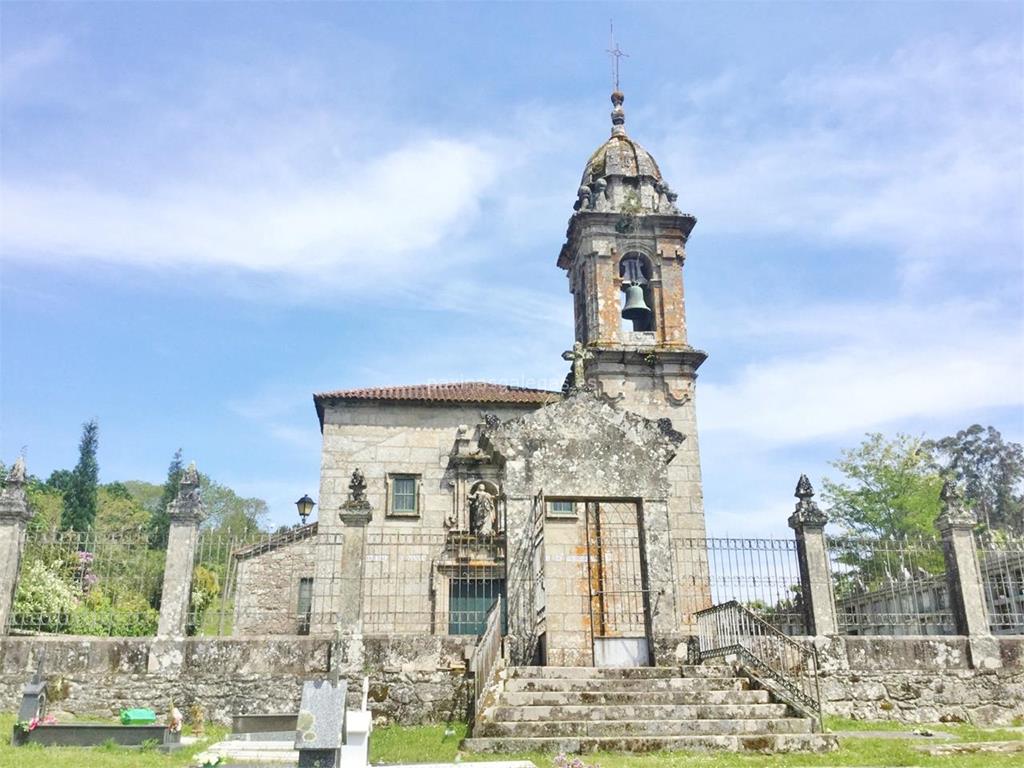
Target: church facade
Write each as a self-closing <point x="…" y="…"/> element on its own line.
<point x="580" y="509"/>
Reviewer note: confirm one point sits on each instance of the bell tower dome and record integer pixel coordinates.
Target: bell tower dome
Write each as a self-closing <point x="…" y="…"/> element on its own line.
<point x="624" y="255"/>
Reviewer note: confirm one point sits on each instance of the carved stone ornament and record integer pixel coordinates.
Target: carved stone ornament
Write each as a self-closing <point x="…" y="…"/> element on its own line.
<point x="673" y="434"/>
<point x="357" y="486"/>
<point x="807" y="514"/>
<point x="954" y="514"/>
<point x="13" y="501"/>
<point x="188" y="504"/>
<point x="491" y="420"/>
<point x="356" y="510"/>
<point x="579" y="356"/>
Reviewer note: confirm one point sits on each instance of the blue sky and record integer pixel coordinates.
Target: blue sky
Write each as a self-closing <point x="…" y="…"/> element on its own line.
<point x="210" y="211"/>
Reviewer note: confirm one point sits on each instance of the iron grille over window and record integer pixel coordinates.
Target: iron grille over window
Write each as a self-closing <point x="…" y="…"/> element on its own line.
<point x="305" y="608"/>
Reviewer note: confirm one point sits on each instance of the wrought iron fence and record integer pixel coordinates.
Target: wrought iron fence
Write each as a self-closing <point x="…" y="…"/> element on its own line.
<point x="431" y="583"/>
<point x="762" y="575"/>
<point x="890" y="587"/>
<point x="293" y="582"/>
<point x="788" y="667"/>
<point x="259" y="583"/>
<point x="1001" y="562"/>
<point x="92" y="583"/>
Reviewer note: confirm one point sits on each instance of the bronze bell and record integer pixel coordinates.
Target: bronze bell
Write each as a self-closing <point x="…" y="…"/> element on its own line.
<point x="635" y="308"/>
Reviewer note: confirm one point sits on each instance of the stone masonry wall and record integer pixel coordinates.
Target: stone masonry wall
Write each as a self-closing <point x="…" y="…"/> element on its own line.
<point x="394" y="438"/>
<point x="920" y="680"/>
<point x="412" y="680"/>
<point x="267" y="591"/>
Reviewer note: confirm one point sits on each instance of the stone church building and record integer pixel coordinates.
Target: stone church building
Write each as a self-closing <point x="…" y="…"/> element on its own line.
<point x="575" y="507"/>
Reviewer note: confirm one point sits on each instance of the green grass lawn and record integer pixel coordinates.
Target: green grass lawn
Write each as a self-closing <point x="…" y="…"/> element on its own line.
<point x="436" y="743"/>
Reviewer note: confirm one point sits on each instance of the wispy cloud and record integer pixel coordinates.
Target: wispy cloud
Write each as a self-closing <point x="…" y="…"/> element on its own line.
<point x="433" y="187"/>
<point x="919" y="154"/>
<point x="876" y="367"/>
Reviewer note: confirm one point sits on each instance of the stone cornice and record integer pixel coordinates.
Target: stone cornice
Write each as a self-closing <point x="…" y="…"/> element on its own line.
<point x="604" y="222"/>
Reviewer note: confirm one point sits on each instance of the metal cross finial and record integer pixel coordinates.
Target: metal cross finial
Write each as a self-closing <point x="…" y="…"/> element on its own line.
<point x="616" y="53"/>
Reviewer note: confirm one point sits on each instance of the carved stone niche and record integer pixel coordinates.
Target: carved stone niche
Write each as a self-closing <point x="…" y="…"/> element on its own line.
<point x="485" y="516"/>
<point x="469" y="466"/>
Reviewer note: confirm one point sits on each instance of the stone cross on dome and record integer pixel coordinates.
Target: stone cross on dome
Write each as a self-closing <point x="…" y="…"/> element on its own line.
<point x="618" y="115"/>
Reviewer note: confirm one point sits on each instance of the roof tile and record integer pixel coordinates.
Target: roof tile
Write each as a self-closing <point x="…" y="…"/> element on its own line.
<point x="454" y="392"/>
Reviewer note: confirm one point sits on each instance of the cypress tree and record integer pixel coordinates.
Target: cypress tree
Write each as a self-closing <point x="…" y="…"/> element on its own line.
<point x="160" y="523"/>
<point x="80" y="491"/>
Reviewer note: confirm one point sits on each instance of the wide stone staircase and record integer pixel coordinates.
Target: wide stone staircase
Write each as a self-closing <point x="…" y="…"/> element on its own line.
<point x="636" y="709"/>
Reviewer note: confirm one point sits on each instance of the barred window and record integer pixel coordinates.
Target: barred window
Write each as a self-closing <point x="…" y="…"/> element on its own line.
<point x="305" y="607"/>
<point x="561" y="509"/>
<point x="404" y="493"/>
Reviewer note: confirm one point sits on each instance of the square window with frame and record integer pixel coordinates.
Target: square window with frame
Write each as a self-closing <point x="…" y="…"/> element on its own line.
<point x="561" y="508"/>
<point x="403" y="495"/>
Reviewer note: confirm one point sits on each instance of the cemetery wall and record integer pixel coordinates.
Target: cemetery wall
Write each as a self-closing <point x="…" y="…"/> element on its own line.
<point x="413" y="679"/>
<point x="418" y="679"/>
<point x="920" y="680"/>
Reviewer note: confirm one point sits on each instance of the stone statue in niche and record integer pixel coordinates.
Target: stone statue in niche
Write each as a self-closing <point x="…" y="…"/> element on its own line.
<point x="482" y="509"/>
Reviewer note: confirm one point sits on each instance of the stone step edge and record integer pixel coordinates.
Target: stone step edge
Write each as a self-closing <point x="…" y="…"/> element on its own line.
<point x="732" y="742"/>
<point x="681" y="723"/>
<point x="543" y="712"/>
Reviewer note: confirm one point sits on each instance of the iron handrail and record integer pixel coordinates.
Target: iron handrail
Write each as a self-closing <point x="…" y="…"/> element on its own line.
<point x="788" y="667"/>
<point x="486" y="652"/>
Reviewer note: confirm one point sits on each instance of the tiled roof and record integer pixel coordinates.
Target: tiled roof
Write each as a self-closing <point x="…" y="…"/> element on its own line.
<point x="456" y="392"/>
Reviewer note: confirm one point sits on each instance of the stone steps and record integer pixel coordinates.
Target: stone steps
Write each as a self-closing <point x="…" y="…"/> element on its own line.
<point x="769" y="743"/>
<point x="624" y="685"/>
<point x="582" y="709"/>
<point x="560" y="698"/>
<point x="530" y="712"/>
<point x="659" y="727"/>
<point x="631" y="673"/>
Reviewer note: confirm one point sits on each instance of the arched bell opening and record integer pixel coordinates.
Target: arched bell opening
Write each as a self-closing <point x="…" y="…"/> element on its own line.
<point x="635" y="274"/>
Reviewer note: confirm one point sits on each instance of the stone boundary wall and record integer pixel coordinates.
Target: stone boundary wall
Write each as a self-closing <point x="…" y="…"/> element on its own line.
<point x="412" y="680"/>
<point x="924" y="679"/>
<point x="420" y="679"/>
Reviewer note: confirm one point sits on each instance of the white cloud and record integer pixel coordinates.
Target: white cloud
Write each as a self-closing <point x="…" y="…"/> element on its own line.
<point x="919" y="154"/>
<point x="17" y="65"/>
<point x="873" y="368"/>
<point x="384" y="213"/>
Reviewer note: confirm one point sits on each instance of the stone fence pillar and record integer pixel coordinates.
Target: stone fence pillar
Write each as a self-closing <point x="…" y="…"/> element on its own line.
<point x="14" y="517"/>
<point x="338" y="578"/>
<point x="808" y="521"/>
<point x="966" y="588"/>
<point x="186" y="512"/>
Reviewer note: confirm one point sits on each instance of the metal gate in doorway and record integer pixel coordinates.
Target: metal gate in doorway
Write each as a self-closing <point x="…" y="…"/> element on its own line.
<point x="617" y="570"/>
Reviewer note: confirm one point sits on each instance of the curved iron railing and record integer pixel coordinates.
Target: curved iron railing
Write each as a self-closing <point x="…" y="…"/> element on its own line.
<point x="786" y="666"/>
<point x="485" y="655"/>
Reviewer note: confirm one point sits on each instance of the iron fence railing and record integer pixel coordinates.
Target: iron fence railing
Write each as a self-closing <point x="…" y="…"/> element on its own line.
<point x="1001" y="562"/>
<point x="88" y="583"/>
<point x="762" y="574"/>
<point x="890" y="586"/>
<point x="789" y="668"/>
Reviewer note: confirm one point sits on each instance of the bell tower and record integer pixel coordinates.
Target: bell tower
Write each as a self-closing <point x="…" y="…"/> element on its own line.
<point x="624" y="254"/>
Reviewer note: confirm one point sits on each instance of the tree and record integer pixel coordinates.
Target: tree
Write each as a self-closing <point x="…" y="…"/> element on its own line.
<point x="117" y="511"/>
<point x="890" y="488"/>
<point x="80" y="493"/>
<point x="59" y="480"/>
<point x="160" y="522"/>
<point x="228" y="512"/>
<point x="991" y="472"/>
